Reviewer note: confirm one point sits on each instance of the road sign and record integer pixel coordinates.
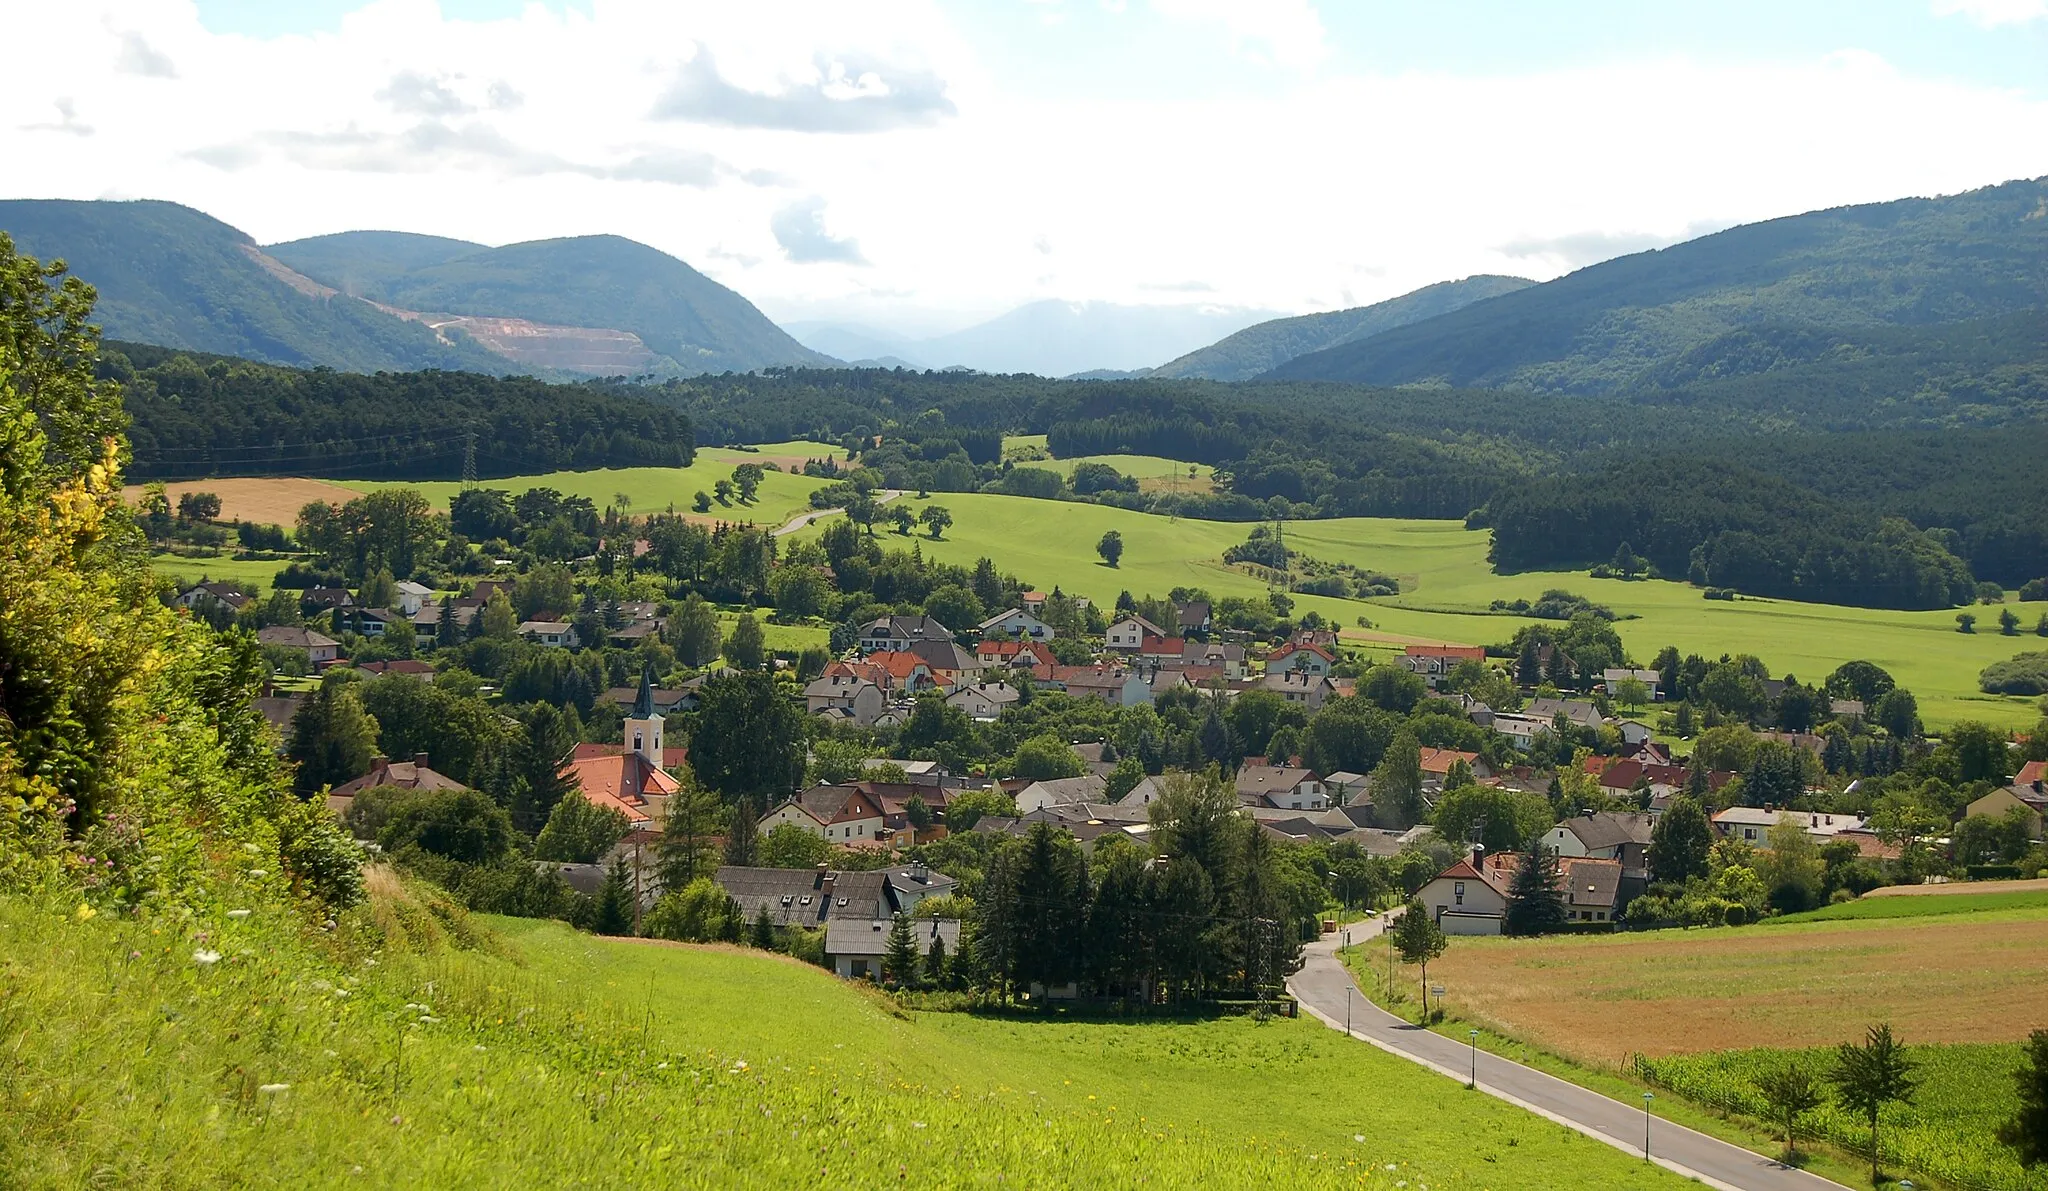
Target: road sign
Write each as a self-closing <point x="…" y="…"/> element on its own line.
<point x="1436" y="990"/>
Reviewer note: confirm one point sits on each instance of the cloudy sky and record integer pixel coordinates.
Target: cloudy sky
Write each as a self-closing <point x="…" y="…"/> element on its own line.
<point x="923" y="164"/>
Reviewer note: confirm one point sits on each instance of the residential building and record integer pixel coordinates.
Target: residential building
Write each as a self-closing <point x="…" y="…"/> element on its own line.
<point x="856" y="950"/>
<point x="1593" y="888"/>
<point x="1063" y="791"/>
<point x="555" y="634"/>
<point x="856" y="909"/>
<point x="315" y="600"/>
<point x="1465" y="901"/>
<point x="1753" y="824"/>
<point x="226" y="593"/>
<point x="1306" y="687"/>
<point x="319" y="648"/>
<point x="1226" y="656"/>
<point x="896" y="633"/>
<point x="845" y="697"/>
<point x="2028" y="798"/>
<point x="1345" y="787"/>
<point x="1283" y="786"/>
<point x="983" y="701"/>
<point x="1298" y="657"/>
<point x="1015" y="622"/>
<point x="401" y="775"/>
<point x="1437" y="763"/>
<point x="1607" y="835"/>
<point x="992" y="652"/>
<point x="412" y="596"/>
<point x="1130" y="633"/>
<point x="1614" y="676"/>
<point x="947" y="662"/>
<point x="1433" y="662"/>
<point x="412" y="666"/>
<point x="1581" y="713"/>
<point x="1194" y="619"/>
<point x="837" y="814"/>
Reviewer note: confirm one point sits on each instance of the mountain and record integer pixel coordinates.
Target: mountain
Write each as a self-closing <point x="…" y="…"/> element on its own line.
<point x="855" y="342"/>
<point x="637" y="309"/>
<point x="1054" y="338"/>
<point x="1622" y="324"/>
<point x="380" y="301"/>
<point x="174" y="276"/>
<point x="1268" y="345"/>
<point x="357" y="263"/>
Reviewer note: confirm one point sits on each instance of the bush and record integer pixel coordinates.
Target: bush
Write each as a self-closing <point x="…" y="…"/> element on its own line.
<point x="2025" y="674"/>
<point x="1993" y="872"/>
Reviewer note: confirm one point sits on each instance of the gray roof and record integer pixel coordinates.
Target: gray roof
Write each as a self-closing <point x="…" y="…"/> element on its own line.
<point x="943" y="654"/>
<point x="1261" y="780"/>
<point x="917" y="879"/>
<point x="1609" y="828"/>
<point x="847" y="936"/>
<point x="1071" y="791"/>
<point x="1373" y="841"/>
<point x="1595" y="883"/>
<point x="1577" y="711"/>
<point x="804" y="897"/>
<point x="908" y="628"/>
<point x="293" y="637"/>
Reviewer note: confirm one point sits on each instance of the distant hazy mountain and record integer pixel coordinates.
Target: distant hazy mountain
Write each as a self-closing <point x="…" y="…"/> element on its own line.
<point x="170" y="275"/>
<point x="685" y="320"/>
<point x="854" y="342"/>
<point x="1631" y="322"/>
<point x="1268" y="345"/>
<point x="1054" y="338"/>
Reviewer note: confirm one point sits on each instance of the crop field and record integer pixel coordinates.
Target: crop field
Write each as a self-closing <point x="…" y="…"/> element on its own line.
<point x="1447" y="586"/>
<point x="540" y="1057"/>
<point x="1598" y="999"/>
<point x="266" y="500"/>
<point x="1947" y="1130"/>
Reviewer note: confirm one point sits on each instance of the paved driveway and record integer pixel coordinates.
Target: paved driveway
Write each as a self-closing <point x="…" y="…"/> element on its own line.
<point x="1321" y="987"/>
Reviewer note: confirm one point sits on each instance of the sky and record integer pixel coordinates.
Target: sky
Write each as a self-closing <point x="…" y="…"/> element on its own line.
<point x="921" y="165"/>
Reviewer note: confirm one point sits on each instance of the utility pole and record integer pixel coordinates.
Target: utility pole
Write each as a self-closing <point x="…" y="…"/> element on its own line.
<point x="469" y="458"/>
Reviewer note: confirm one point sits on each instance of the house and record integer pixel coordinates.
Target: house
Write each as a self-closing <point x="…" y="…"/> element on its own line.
<point x="1843" y="709"/>
<point x="1306" y="687"/>
<point x="1579" y="712"/>
<point x="401" y="775"/>
<point x="1753" y="824"/>
<point x="837" y="814"/>
<point x="666" y="702"/>
<point x="225" y="593"/>
<point x="845" y="697"/>
<point x="1301" y="658"/>
<point x="1085" y="682"/>
<point x="1608" y="835"/>
<point x="319" y="648"/>
<point x="555" y="634"/>
<point x="1520" y="730"/>
<point x="1438" y="763"/>
<point x="891" y="670"/>
<point x="1016" y="622"/>
<point x="277" y="711"/>
<point x="1614" y="676"/>
<point x="915" y="773"/>
<point x="998" y="652"/>
<point x="901" y="632"/>
<point x="1144" y="794"/>
<point x="1433" y="662"/>
<point x="1163" y="650"/>
<point x="1346" y="788"/>
<point x="947" y="662"/>
<point x="982" y="700"/>
<point x="1033" y="602"/>
<point x="1061" y="792"/>
<point x="411" y="666"/>
<point x="632" y="778"/>
<point x="1130" y="633"/>
<point x="1634" y="732"/>
<point x="1593" y="888"/>
<point x="316" y="600"/>
<point x="1222" y="655"/>
<point x="1283" y="786"/>
<point x="412" y="596"/>
<point x="365" y="622"/>
<point x="856" y="950"/>
<point x="426" y="623"/>
<point x="1465" y="900"/>
<point x="2028" y="797"/>
<point x="1193" y="618"/>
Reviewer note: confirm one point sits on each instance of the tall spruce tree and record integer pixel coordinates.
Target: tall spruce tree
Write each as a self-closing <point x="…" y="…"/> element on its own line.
<point x="332" y="738"/>
<point x="613" y="912"/>
<point x="1536" y="905"/>
<point x="899" y="960"/>
<point x="742" y="833"/>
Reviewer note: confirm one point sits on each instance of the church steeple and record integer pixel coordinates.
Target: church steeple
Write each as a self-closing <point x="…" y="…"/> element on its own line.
<point x="643" y="727"/>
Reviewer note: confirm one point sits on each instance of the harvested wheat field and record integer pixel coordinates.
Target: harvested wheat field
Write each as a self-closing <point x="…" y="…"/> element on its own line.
<point x="265" y="500"/>
<point x="1599" y="998"/>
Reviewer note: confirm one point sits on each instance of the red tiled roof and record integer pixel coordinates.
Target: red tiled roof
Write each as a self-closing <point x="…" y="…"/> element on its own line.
<point x="1440" y="760"/>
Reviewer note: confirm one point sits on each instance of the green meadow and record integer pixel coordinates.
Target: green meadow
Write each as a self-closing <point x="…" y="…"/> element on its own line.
<point x="416" y="1047"/>
<point x="252" y="575"/>
<point x="1447" y="586"/>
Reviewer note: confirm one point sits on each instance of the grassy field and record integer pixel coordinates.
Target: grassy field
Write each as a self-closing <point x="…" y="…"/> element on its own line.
<point x="1960" y="902"/>
<point x="541" y="1057"/>
<point x="658" y="489"/>
<point x="1947" y="1130"/>
<point x="254" y="575"/>
<point x="1447" y="586"/>
<point x="1598" y="999"/>
<point x="782" y="638"/>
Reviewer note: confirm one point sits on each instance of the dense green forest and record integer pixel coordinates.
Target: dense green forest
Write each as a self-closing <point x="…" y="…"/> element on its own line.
<point x="1608" y="327"/>
<point x="196" y="416"/>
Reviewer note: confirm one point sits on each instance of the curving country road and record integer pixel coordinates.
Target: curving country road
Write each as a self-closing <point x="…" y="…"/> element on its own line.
<point x="1321" y="987"/>
<point x="882" y="496"/>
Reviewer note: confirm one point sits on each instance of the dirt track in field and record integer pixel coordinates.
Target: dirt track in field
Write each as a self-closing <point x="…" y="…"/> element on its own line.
<point x="1599" y="998"/>
<point x="264" y="501"/>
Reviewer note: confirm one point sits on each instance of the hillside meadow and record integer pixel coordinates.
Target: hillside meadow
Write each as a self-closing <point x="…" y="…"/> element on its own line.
<point x="419" y="1047"/>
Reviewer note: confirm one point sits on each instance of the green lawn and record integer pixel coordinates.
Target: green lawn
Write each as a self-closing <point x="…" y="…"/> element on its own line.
<point x="541" y="1057"/>
<point x="653" y="489"/>
<point x="1925" y="906"/>
<point x="1447" y="586"/>
<point x="187" y="571"/>
<point x="782" y="638"/>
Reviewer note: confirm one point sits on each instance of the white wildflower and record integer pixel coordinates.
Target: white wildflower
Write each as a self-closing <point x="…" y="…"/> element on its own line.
<point x="205" y="958"/>
<point x="238" y="913"/>
<point x="1358" y="1137"/>
<point x="272" y="1089"/>
<point x="259" y="873"/>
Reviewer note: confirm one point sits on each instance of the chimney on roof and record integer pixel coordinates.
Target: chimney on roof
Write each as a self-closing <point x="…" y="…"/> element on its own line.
<point x="379" y="763"/>
<point x="419" y="760"/>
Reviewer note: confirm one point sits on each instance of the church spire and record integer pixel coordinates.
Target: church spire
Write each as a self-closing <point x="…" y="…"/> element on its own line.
<point x="643" y="706"/>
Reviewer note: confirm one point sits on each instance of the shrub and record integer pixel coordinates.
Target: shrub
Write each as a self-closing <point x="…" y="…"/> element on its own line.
<point x="2024" y="674"/>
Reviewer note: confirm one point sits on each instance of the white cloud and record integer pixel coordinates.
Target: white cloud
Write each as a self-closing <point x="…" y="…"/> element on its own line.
<point x="1288" y="33"/>
<point x="1994" y="13"/>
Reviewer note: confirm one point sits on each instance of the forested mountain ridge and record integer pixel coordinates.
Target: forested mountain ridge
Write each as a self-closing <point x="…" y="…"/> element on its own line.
<point x="1264" y="347"/>
<point x="377" y="301"/>
<point x="170" y="275"/>
<point x="690" y="321"/>
<point x="1610" y="327"/>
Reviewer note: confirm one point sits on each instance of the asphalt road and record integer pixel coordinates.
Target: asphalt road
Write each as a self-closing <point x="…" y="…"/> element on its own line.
<point x="882" y="496"/>
<point x="1321" y="984"/>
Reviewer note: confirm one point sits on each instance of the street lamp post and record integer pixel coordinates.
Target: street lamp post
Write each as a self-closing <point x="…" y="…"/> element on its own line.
<point x="1647" y="1097"/>
<point x="1475" y="1060"/>
<point x="1347" y="1011"/>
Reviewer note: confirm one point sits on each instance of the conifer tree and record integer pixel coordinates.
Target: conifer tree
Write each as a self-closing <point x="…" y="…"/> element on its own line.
<point x="742" y="834"/>
<point x="613" y="913"/>
<point x="764" y="931"/>
<point x="1536" y="905"/>
<point x="899" y="961"/>
<point x="935" y="962"/>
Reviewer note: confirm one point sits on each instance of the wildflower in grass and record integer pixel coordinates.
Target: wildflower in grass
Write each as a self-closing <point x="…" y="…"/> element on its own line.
<point x="272" y="1089"/>
<point x="205" y="958"/>
<point x="259" y="873"/>
<point x="238" y="913"/>
<point x="84" y="912"/>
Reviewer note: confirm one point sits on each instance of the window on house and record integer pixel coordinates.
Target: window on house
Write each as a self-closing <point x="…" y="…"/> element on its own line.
<point x="1458" y="891"/>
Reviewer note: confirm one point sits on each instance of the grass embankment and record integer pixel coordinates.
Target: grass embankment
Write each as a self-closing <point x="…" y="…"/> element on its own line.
<point x="1958" y="974"/>
<point x="541" y="1057"/>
